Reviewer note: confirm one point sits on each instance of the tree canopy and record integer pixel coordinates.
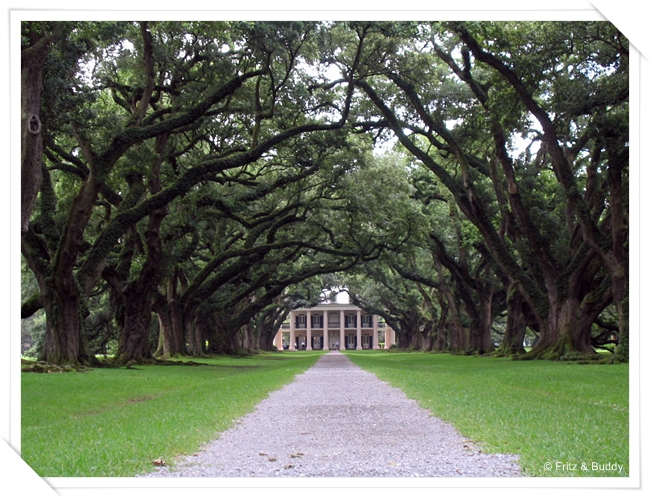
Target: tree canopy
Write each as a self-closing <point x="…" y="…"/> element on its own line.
<point x="186" y="184"/>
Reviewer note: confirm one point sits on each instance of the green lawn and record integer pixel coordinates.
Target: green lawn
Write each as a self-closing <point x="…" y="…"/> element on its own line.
<point x="547" y="412"/>
<point x="115" y="422"/>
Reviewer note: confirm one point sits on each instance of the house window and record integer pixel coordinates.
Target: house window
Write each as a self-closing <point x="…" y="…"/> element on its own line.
<point x="301" y="321"/>
<point x="366" y="321"/>
<point x="317" y="321"/>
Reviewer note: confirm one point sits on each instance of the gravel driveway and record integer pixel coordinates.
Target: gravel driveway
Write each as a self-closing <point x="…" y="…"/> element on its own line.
<point x="337" y="420"/>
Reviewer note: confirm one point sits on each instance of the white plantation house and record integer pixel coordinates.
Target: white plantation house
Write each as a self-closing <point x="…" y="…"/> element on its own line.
<point x="332" y="325"/>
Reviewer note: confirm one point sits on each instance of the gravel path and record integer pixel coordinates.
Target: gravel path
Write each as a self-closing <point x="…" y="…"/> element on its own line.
<point x="337" y="420"/>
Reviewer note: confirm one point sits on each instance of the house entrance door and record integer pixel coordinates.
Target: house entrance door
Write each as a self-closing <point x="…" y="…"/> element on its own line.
<point x="317" y="342"/>
<point x="365" y="342"/>
<point x="351" y="342"/>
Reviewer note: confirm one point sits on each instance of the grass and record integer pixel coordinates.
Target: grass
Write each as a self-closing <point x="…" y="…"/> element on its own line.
<point x="116" y="422"/>
<point x="554" y="413"/>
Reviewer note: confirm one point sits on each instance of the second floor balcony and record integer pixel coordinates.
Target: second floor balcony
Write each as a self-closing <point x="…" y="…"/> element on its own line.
<point x="333" y="323"/>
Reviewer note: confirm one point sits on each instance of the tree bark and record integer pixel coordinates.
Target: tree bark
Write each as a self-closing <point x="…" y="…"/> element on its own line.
<point x="133" y="345"/>
<point x="176" y="314"/>
<point x="482" y="336"/>
<point x="440" y="342"/>
<point x="165" y="348"/>
<point x="31" y="152"/>
<point x="513" y="338"/>
<point x="195" y="333"/>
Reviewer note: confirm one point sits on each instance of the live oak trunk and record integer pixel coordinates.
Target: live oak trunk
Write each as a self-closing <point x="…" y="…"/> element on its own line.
<point x="65" y="343"/>
<point x="566" y="330"/>
<point x="513" y="338"/>
<point x="195" y="333"/>
<point x="266" y="338"/>
<point x="480" y="329"/>
<point x="170" y="316"/>
<point x="440" y="342"/>
<point x="165" y="348"/>
<point x="176" y="317"/>
<point x="31" y="152"/>
<point x="217" y="336"/>
<point x="133" y="345"/>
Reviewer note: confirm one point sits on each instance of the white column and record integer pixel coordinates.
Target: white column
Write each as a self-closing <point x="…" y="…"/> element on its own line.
<point x="278" y="340"/>
<point x="326" y="339"/>
<point x="308" y="348"/>
<point x="388" y="341"/>
<point x="375" y="332"/>
<point x="342" y="329"/>
<point x="292" y="331"/>
<point x="359" y="329"/>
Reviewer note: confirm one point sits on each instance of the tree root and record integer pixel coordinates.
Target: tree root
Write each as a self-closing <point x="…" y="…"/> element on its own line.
<point x="45" y="367"/>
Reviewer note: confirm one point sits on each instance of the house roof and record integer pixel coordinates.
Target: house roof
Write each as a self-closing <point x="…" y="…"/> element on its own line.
<point x="330" y="307"/>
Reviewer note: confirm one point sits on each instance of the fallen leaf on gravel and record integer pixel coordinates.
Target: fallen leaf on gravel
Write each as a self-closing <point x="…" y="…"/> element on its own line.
<point x="158" y="462"/>
<point x="288" y="466"/>
<point x="272" y="459"/>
